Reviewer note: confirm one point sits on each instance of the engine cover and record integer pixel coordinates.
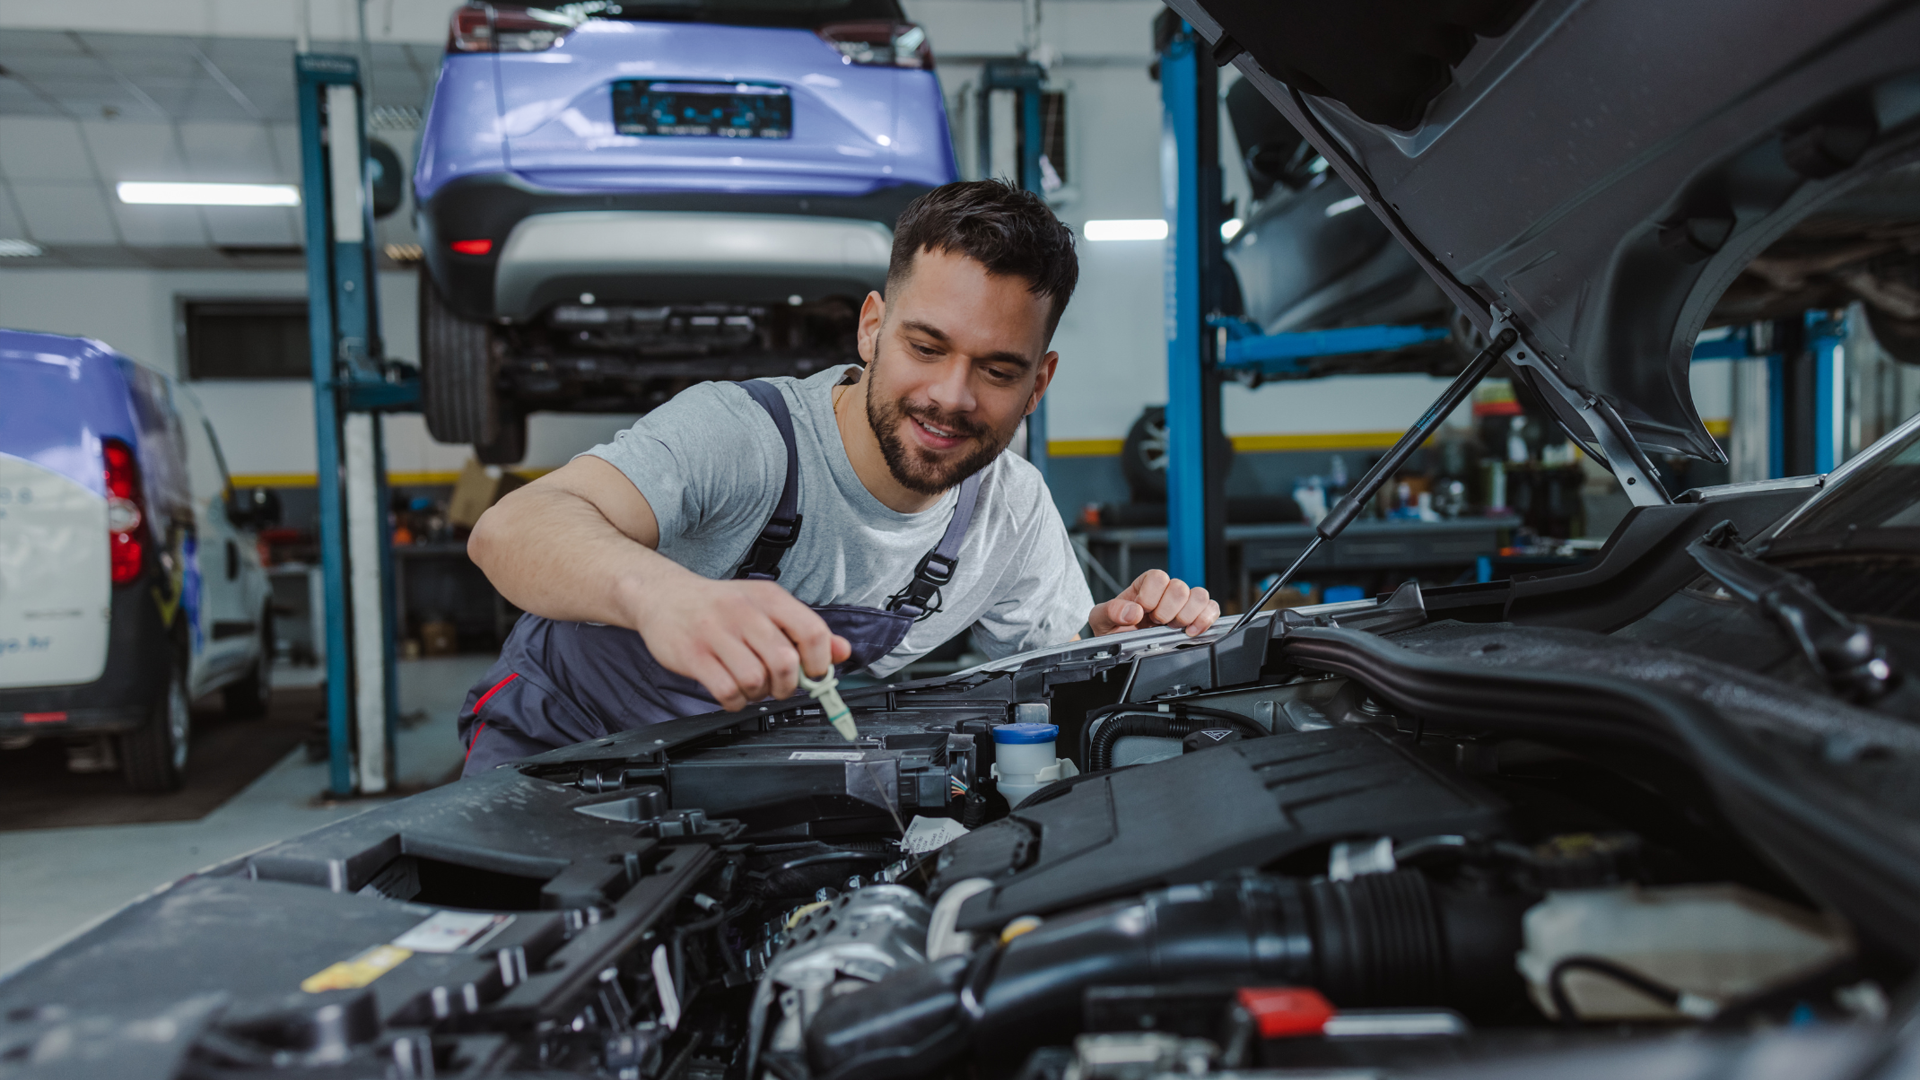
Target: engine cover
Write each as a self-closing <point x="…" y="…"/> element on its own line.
<point x="1203" y="814"/>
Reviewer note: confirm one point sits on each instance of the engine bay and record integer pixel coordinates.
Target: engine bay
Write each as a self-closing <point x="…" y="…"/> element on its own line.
<point x="1264" y="862"/>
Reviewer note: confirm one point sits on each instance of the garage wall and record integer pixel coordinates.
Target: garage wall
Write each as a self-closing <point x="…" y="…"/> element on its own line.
<point x="265" y="426"/>
<point x="1110" y="340"/>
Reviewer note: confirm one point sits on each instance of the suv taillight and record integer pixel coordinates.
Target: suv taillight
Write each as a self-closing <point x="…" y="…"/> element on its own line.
<point x="881" y="44"/>
<point x="126" y="538"/>
<point x="483" y="28"/>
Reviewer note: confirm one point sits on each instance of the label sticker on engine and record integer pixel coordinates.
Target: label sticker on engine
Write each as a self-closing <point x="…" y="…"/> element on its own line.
<point x="357" y="972"/>
<point x="930" y="834"/>
<point x="450" y="931"/>
<point x="826" y="755"/>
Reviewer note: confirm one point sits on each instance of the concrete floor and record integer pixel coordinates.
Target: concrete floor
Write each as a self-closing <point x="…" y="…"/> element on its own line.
<point x="55" y="883"/>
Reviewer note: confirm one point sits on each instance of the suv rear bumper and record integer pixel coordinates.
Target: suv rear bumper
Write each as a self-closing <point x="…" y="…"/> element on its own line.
<point x="672" y="257"/>
<point x="140" y="650"/>
<point x="491" y="207"/>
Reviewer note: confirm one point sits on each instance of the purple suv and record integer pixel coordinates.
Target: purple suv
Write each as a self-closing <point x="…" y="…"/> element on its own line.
<point x="619" y="199"/>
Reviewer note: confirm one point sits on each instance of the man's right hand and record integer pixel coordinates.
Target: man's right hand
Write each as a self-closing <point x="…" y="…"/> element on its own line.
<point x="743" y="640"/>
<point x="552" y="547"/>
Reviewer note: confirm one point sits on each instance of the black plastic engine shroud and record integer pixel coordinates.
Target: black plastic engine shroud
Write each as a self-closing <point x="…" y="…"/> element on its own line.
<point x="1204" y="814"/>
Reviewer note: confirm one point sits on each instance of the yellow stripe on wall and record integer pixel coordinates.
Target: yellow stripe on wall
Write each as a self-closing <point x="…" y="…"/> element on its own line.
<point x="1328" y="440"/>
<point x="395" y="479"/>
<point x="1320" y="440"/>
<point x="1085" y="447"/>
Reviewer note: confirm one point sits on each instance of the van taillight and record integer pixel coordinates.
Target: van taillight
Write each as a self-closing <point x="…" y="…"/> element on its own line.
<point x="126" y="541"/>
<point x="484" y="28"/>
<point x="879" y="44"/>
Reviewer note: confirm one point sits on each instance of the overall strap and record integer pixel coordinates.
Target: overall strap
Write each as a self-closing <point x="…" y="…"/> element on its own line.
<point x="920" y="598"/>
<point x="763" y="558"/>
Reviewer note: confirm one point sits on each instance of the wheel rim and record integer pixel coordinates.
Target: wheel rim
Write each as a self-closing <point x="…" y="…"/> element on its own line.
<point x="1153" y="448"/>
<point x="179" y="724"/>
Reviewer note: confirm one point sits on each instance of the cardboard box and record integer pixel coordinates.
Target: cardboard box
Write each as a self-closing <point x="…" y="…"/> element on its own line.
<point x="479" y="487"/>
<point x="437" y="638"/>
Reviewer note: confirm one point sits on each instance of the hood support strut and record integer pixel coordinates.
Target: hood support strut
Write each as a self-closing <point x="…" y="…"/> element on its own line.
<point x="1356" y="498"/>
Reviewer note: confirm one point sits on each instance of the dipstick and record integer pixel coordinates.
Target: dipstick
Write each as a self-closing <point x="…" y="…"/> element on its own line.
<point x="825" y="690"/>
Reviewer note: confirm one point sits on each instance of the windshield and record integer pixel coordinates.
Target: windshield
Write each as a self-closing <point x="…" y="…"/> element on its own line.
<point x="789" y="14"/>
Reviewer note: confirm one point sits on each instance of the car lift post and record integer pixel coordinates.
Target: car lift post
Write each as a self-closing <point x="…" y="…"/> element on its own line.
<point x="1826" y="339"/>
<point x="1190" y="186"/>
<point x="1027" y="80"/>
<point x="1806" y="363"/>
<point x="352" y="384"/>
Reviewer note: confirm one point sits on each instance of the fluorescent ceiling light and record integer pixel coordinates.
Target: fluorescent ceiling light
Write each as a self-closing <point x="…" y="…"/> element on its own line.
<point x="1127" y="229"/>
<point x="1351" y="202"/>
<point x="18" y="249"/>
<point x="1231" y="227"/>
<point x="169" y="194"/>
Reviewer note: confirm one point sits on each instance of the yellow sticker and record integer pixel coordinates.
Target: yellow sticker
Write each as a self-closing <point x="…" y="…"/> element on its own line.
<point x="357" y="972"/>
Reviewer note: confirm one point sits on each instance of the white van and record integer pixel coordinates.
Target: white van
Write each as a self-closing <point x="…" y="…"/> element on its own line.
<point x="130" y="577"/>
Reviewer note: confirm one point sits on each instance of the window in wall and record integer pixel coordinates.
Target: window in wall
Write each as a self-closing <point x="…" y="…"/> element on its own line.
<point x="246" y="339"/>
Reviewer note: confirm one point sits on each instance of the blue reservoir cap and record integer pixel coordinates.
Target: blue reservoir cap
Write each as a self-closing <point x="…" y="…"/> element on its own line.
<point x="1026" y="733"/>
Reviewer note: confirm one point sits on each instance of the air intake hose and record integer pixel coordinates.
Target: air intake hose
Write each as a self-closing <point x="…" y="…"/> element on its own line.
<point x="1379" y="939"/>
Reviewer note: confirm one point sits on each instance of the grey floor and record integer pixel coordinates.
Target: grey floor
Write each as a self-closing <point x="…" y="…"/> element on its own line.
<point x="55" y="883"/>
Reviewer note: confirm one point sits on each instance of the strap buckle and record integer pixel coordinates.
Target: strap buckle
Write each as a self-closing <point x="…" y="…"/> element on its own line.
<point x="763" y="558"/>
<point x="779" y="534"/>
<point x="936" y="568"/>
<point x="921" y="597"/>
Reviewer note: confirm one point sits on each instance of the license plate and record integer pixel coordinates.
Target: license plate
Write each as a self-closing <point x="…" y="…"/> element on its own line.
<point x="720" y="110"/>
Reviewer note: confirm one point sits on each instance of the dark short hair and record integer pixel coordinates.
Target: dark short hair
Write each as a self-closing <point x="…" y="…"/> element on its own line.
<point x="1009" y="231"/>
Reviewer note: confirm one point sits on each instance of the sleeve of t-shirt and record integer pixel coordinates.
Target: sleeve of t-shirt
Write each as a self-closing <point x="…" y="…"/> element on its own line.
<point x="685" y="458"/>
<point x="1044" y="600"/>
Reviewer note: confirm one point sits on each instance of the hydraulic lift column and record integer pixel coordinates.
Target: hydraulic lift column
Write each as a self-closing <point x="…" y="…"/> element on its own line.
<point x="352" y="385"/>
<point x="1190" y="186"/>
<point x="1027" y="80"/>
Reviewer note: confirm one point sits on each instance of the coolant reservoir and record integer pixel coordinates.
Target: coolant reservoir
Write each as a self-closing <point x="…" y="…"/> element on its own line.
<point x="1024" y="761"/>
<point x="1712" y="943"/>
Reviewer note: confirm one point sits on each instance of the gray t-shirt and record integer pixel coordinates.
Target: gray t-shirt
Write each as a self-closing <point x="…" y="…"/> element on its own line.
<point x="711" y="464"/>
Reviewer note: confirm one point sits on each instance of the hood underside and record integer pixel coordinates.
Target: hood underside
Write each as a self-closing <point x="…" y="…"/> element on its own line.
<point x="1602" y="171"/>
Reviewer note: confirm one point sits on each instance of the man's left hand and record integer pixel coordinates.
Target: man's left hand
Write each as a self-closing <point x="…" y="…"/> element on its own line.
<point x="1154" y="599"/>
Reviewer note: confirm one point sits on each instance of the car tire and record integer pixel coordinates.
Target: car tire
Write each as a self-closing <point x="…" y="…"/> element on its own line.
<point x="249" y="698"/>
<point x="1143" y="457"/>
<point x="153" y="757"/>
<point x="459" y="360"/>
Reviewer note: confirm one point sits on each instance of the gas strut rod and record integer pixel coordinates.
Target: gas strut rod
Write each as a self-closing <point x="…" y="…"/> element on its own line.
<point x="1356" y="497"/>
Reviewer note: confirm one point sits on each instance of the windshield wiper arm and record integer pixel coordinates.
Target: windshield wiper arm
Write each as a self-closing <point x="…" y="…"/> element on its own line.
<point x="1844" y="651"/>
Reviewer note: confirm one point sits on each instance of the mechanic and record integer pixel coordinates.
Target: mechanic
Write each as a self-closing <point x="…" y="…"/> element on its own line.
<point x="744" y="532"/>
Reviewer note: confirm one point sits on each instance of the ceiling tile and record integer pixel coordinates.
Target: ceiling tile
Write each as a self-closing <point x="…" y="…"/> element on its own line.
<point x="239" y="153"/>
<point x="66" y="213"/>
<point x="161" y="226"/>
<point x="11" y="227"/>
<point x="42" y="148"/>
<point x="126" y="151"/>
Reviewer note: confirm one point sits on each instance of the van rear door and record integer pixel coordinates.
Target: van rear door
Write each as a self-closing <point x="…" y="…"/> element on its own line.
<point x="55" y="601"/>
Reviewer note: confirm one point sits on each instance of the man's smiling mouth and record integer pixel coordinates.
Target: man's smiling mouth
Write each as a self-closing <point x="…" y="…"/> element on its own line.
<point x="936" y="434"/>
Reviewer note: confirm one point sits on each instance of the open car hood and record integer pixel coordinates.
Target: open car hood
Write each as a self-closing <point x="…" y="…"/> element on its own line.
<point x="1602" y="171"/>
